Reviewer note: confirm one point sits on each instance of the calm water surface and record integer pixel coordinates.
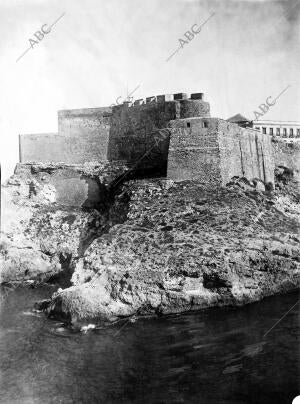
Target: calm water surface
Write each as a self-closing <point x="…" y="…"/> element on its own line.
<point x="217" y="356"/>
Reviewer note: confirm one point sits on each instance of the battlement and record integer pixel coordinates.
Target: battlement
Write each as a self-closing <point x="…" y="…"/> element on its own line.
<point x="166" y="98"/>
<point x="161" y="99"/>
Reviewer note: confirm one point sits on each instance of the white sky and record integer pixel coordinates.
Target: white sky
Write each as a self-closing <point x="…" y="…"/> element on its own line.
<point x="247" y="51"/>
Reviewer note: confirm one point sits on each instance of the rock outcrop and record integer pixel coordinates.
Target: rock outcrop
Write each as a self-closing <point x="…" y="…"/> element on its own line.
<point x="185" y="248"/>
<point x="160" y="247"/>
<point x="41" y="237"/>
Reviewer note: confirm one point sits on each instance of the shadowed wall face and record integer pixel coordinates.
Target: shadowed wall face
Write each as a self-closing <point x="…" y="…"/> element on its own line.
<point x="135" y="136"/>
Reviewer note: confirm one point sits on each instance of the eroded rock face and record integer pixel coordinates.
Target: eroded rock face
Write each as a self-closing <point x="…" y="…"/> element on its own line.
<point x="41" y="237"/>
<point x="183" y="248"/>
<point x="151" y="246"/>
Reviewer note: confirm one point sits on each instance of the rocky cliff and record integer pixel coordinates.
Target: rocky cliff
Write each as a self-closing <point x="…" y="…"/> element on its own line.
<point x="49" y="218"/>
<point x="161" y="247"/>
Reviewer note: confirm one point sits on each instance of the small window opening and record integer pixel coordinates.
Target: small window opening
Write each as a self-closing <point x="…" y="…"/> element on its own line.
<point x="188" y="124"/>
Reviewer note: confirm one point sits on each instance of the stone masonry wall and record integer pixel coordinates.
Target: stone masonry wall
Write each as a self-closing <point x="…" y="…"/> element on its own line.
<point x="244" y="152"/>
<point x="82" y="122"/>
<point x="134" y="131"/>
<point x="133" y="134"/>
<point x="55" y="148"/>
<point x="82" y="136"/>
<point x="123" y="134"/>
<point x="162" y="137"/>
<point x="194" y="151"/>
<point x="213" y="151"/>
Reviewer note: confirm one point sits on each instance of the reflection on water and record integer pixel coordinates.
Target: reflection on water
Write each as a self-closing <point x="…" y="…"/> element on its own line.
<point x="217" y="356"/>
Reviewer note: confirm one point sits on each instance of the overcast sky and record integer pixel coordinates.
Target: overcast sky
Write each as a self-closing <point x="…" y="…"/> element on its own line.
<point x="247" y="51"/>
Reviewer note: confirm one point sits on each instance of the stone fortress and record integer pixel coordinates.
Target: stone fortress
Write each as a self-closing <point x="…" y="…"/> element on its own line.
<point x="170" y="136"/>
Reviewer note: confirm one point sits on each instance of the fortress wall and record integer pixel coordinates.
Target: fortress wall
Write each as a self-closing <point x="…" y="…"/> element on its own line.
<point x="134" y="131"/>
<point x="194" y="151"/>
<point x="213" y="151"/>
<point x="52" y="147"/>
<point x="83" y="122"/>
<point x="138" y="122"/>
<point x="268" y="156"/>
<point x="231" y="164"/>
<point x="145" y="152"/>
<point x="244" y="153"/>
<point x="128" y="134"/>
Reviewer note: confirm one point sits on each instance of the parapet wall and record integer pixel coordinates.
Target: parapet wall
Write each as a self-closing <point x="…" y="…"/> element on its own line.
<point x="83" y="136"/>
<point x="83" y="122"/>
<point x="55" y="148"/>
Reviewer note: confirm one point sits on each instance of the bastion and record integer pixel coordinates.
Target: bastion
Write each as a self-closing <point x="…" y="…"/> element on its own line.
<point x="211" y="150"/>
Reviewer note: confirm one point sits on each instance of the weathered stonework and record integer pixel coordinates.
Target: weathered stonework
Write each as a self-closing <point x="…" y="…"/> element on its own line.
<point x="213" y="151"/>
<point x="85" y="121"/>
<point x="55" y="148"/>
<point x="245" y="153"/>
<point x="134" y="131"/>
<point x="164" y="136"/>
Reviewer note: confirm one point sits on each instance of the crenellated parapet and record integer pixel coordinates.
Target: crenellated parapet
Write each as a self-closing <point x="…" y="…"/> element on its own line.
<point x="185" y="106"/>
<point x="167" y="97"/>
